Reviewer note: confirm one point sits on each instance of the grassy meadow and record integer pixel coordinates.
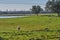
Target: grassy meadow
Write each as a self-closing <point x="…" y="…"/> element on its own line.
<point x="45" y="27"/>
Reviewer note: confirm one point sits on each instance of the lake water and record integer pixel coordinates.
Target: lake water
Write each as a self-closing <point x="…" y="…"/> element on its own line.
<point x="11" y="16"/>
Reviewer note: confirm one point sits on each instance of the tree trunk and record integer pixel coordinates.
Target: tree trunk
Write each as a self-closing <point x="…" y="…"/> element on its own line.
<point x="58" y="14"/>
<point x="37" y="14"/>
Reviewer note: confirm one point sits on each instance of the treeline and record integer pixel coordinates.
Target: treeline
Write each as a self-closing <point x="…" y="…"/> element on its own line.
<point x="52" y="6"/>
<point x="21" y="12"/>
<point x="15" y="12"/>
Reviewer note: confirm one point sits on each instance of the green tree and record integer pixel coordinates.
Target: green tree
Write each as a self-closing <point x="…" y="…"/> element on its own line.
<point x="36" y="9"/>
<point x="48" y="5"/>
<point x="54" y="6"/>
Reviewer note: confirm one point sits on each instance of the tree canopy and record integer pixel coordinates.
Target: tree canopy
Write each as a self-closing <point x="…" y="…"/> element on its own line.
<point x="53" y="6"/>
<point x="36" y="9"/>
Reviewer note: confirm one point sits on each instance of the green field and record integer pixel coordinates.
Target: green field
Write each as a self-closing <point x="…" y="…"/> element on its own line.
<point x="32" y="28"/>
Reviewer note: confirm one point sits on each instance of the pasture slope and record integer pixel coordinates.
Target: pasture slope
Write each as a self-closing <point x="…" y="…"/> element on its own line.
<point x="32" y="28"/>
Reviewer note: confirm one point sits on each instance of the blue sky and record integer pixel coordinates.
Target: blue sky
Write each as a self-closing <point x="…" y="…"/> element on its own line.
<point x="20" y="4"/>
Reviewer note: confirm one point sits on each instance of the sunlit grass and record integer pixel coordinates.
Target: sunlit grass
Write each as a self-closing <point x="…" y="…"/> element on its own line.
<point x="8" y="27"/>
<point x="30" y="23"/>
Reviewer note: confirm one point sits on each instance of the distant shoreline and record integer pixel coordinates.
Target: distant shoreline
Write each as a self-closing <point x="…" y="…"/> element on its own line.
<point x="12" y="15"/>
<point x="27" y="14"/>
